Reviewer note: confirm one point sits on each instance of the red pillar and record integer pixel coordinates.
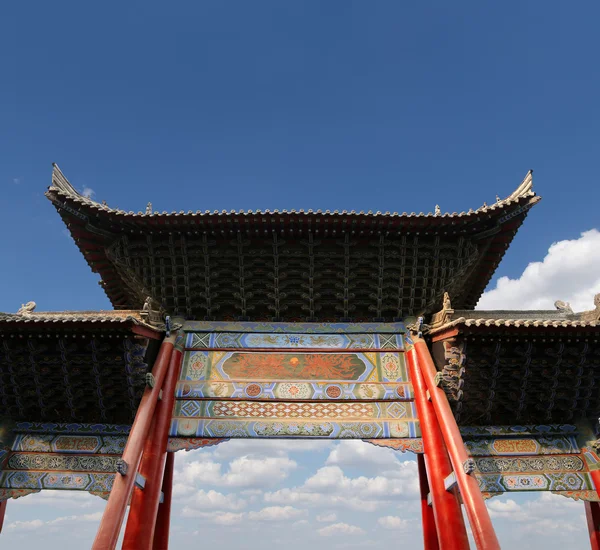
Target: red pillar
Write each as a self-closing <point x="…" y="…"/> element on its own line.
<point x="2" y="513"/>
<point x="112" y="519"/>
<point x="430" y="536"/>
<point x="144" y="503"/>
<point x="163" y="519"/>
<point x="479" y="517"/>
<point x="451" y="530"/>
<point x="592" y="513"/>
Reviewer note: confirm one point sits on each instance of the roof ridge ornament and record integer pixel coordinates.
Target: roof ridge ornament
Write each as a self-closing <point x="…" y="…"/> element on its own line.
<point x="26" y="309"/>
<point x="594" y="314"/>
<point x="525" y="188"/>
<point x="60" y="182"/>
<point x="564" y="307"/>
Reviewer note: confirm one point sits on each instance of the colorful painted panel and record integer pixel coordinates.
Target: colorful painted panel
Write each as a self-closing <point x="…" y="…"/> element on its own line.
<point x="293" y="328"/>
<point x="228" y="340"/>
<point x="81" y="444"/>
<point x="569" y="481"/>
<point x="299" y="410"/>
<point x="530" y="464"/>
<point x="71" y="428"/>
<point x="53" y="462"/>
<point x="294" y="390"/>
<point x="522" y="446"/>
<point x="257" y="366"/>
<point x="97" y="482"/>
<point x="289" y="428"/>
<point x="469" y="432"/>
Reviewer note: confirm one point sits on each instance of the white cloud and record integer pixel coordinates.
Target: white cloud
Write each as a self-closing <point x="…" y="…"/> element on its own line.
<point x="393" y="522"/>
<point x="35" y="524"/>
<point x="88" y="192"/>
<point x="327" y="518"/>
<point x="255" y="448"/>
<point x="547" y="514"/>
<point x="251" y="472"/>
<point x="218" y="518"/>
<point x="31" y="525"/>
<point x="365" y="456"/>
<point x="17" y="181"/>
<point x="276" y="513"/>
<point x="329" y="486"/>
<point x="212" y="500"/>
<point x="508" y="509"/>
<point x="569" y="272"/>
<point x="340" y="529"/>
<point x="242" y="472"/>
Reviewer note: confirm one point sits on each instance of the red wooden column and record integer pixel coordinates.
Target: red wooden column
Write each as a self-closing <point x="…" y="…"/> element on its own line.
<point x="2" y="513"/>
<point x="112" y="519"/>
<point x="430" y="535"/>
<point x="144" y="503"/>
<point x="479" y="517"/>
<point x="592" y="513"/>
<point x="163" y="519"/>
<point x="451" y="531"/>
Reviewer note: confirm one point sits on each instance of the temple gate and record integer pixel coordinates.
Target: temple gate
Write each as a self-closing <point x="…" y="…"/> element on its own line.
<point x="299" y="325"/>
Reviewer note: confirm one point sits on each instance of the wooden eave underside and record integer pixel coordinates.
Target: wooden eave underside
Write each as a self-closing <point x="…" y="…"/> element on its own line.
<point x="292" y="265"/>
<point x="544" y="371"/>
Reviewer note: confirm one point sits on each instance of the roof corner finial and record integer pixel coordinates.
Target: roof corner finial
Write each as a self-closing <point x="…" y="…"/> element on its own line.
<point x="26" y="309"/>
<point x="149" y="208"/>
<point x="563" y="307"/>
<point x="498" y="199"/>
<point x="438" y="210"/>
<point x="447" y="304"/>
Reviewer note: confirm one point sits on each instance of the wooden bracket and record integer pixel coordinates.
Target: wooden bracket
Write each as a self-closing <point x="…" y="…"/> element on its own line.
<point x="450" y="481"/>
<point x="140" y="481"/>
<point x="122" y="467"/>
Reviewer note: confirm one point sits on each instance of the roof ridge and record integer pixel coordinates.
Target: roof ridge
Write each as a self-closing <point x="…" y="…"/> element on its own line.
<point x="62" y="185"/>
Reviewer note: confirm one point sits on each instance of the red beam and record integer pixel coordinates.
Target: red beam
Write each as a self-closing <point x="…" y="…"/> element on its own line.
<point x="144" y="503"/>
<point x="163" y="519"/>
<point x="430" y="535"/>
<point x="479" y="518"/>
<point x="2" y="513"/>
<point x="146" y="332"/>
<point x="445" y="334"/>
<point x="592" y="513"/>
<point x="446" y="506"/>
<point x="112" y="519"/>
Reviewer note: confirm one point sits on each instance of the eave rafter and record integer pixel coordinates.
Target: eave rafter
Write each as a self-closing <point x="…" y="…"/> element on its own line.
<point x="289" y="265"/>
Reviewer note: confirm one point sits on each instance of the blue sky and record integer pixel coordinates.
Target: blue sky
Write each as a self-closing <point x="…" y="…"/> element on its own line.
<point x="335" y="105"/>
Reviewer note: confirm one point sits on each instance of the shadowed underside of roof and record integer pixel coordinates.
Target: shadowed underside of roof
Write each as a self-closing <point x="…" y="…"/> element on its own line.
<point x="291" y="265"/>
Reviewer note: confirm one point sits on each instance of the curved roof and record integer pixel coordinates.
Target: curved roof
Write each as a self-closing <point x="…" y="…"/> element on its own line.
<point x="292" y="265"/>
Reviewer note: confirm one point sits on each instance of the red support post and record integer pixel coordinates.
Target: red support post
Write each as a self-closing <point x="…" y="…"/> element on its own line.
<point x="430" y="535"/>
<point x="163" y="519"/>
<point x="141" y="522"/>
<point x="2" y="513"/>
<point x="479" y="517"/>
<point x="592" y="513"/>
<point x="451" y="531"/>
<point x="112" y="519"/>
